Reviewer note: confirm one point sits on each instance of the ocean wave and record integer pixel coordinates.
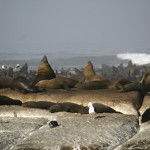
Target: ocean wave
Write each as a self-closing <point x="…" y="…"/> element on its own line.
<point x="136" y="58"/>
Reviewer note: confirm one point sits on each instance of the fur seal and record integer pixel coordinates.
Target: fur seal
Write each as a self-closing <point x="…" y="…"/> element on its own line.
<point x="146" y="78"/>
<point x="121" y="82"/>
<point x="93" y="85"/>
<point x="89" y="73"/>
<point x="68" y="107"/>
<point x="39" y="104"/>
<point x="45" y="72"/>
<point x="5" y="82"/>
<point x="4" y="100"/>
<point x="57" y="83"/>
<point x="146" y="116"/>
<point x="22" y="84"/>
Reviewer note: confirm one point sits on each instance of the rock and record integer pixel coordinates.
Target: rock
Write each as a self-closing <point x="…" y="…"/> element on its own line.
<point x="106" y="131"/>
<point x="140" y="141"/>
<point x="126" y="102"/>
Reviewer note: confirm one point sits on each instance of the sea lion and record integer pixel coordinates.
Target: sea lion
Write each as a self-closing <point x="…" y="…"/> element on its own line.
<point x="146" y="78"/>
<point x="146" y="116"/>
<point x="101" y="108"/>
<point x="121" y="82"/>
<point x="45" y="72"/>
<point x="89" y="73"/>
<point x="39" y="104"/>
<point x="68" y="107"/>
<point x="57" y="83"/>
<point x="4" y="100"/>
<point x="5" y="82"/>
<point x="22" y="84"/>
<point x="93" y="85"/>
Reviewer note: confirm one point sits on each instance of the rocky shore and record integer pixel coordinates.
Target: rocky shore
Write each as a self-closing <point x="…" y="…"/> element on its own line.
<point x="121" y="120"/>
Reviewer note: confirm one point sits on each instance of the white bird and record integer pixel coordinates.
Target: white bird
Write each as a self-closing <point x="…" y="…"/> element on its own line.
<point x="91" y="109"/>
<point x="4" y="67"/>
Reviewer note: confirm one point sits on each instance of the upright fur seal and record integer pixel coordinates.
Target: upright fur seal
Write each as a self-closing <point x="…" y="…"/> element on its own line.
<point x="57" y="83"/>
<point x="146" y="78"/>
<point x="89" y="73"/>
<point x="68" y="107"/>
<point x="45" y="72"/>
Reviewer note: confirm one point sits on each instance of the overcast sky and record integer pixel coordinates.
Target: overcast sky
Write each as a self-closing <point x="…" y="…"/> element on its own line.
<point x="104" y="26"/>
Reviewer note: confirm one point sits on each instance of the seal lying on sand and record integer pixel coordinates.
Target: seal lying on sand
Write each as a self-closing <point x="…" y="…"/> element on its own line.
<point x="93" y="85"/>
<point x="45" y="72"/>
<point x="4" y="100"/>
<point x="39" y="104"/>
<point x="57" y="83"/>
<point x="5" y="82"/>
<point x="146" y="116"/>
<point x="68" y="107"/>
<point x="122" y="82"/>
<point x="22" y="84"/>
<point x="89" y="73"/>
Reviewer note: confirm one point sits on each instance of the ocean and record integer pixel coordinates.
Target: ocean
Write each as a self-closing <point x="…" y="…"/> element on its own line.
<point x="66" y="60"/>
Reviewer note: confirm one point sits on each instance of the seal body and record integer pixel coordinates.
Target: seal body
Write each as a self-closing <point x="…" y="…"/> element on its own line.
<point x="68" y="107"/>
<point x="22" y="84"/>
<point x="45" y="71"/>
<point x="57" y="83"/>
<point x="5" y="82"/>
<point x="39" y="104"/>
<point x="93" y="85"/>
<point x="4" y="100"/>
<point x="146" y="79"/>
<point x="89" y="73"/>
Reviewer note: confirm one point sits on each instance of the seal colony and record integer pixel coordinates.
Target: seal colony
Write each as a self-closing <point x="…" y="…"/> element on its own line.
<point x="75" y="94"/>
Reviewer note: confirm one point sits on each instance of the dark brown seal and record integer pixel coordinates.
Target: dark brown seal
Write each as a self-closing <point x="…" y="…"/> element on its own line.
<point x="68" y="107"/>
<point x="23" y="85"/>
<point x="57" y="83"/>
<point x="122" y="82"/>
<point x="93" y="85"/>
<point x="39" y="104"/>
<point x="45" y="71"/>
<point x="5" y="82"/>
<point x="4" y="100"/>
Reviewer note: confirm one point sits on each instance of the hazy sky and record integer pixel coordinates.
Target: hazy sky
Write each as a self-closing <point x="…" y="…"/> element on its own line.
<point x="103" y="26"/>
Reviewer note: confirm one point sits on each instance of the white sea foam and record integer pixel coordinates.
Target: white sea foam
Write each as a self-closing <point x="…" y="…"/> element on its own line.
<point x="136" y="58"/>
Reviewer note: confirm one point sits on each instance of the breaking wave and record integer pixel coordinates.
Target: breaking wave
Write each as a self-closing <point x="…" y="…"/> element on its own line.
<point x="136" y="58"/>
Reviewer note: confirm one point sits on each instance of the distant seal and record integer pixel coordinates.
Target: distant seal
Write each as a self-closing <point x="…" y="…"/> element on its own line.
<point x="57" y="83"/>
<point x="22" y="84"/>
<point x="4" y="100"/>
<point x="146" y="78"/>
<point x="5" y="82"/>
<point x="93" y="85"/>
<point x="121" y="82"/>
<point x="45" y="72"/>
<point x="39" y="104"/>
<point x="89" y="73"/>
<point x="68" y="107"/>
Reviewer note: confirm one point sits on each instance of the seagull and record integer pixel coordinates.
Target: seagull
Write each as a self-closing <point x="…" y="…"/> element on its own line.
<point x="91" y="108"/>
<point x="4" y="67"/>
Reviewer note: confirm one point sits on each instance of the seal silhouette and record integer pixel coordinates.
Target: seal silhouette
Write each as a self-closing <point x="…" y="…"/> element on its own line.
<point x="57" y="83"/>
<point x="5" y="82"/>
<point x="23" y="85"/>
<point x="45" y="71"/>
<point x="68" y="107"/>
<point x="89" y="73"/>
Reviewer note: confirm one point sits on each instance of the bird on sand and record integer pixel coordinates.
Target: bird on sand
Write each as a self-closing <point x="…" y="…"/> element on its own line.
<point x="91" y="108"/>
